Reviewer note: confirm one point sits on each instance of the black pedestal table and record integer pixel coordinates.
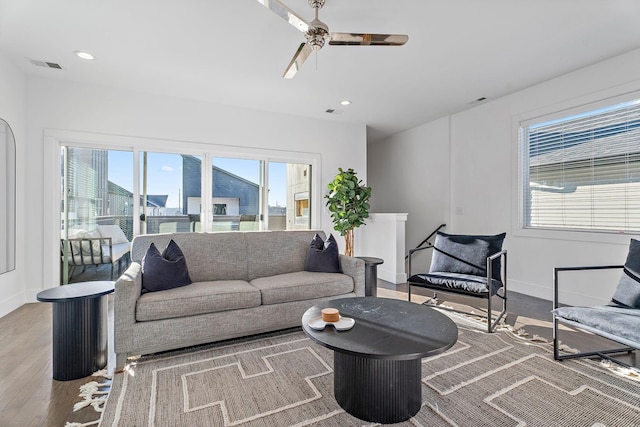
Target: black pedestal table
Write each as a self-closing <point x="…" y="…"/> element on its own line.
<point x="377" y="363"/>
<point x="79" y="328"/>
<point x="371" y="275"/>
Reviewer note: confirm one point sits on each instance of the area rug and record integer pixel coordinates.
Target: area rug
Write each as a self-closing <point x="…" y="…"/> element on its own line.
<point x="496" y="379"/>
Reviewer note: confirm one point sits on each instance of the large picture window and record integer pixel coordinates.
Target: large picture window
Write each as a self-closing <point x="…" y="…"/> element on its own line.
<point x="582" y="171"/>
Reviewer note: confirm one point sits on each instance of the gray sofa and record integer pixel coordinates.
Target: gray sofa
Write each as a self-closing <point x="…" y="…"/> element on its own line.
<point x="244" y="283"/>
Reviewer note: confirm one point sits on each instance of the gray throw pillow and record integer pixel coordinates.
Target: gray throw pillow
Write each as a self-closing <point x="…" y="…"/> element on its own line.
<point x="164" y="271"/>
<point x="323" y="256"/>
<point x="466" y="254"/>
<point x="628" y="291"/>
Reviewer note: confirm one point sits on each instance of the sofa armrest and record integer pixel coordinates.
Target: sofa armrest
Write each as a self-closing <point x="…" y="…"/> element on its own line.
<point x="128" y="289"/>
<point x="354" y="267"/>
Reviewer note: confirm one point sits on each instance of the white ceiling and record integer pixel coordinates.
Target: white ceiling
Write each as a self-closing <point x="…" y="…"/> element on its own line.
<point x="234" y="52"/>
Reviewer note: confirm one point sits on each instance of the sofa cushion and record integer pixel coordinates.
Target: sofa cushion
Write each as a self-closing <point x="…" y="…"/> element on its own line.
<point x="119" y="250"/>
<point x="302" y="285"/>
<point x="628" y="291"/>
<point x="197" y="298"/>
<point x="86" y="247"/>
<point x="466" y="254"/>
<point x="277" y="252"/>
<point x="323" y="256"/>
<point x="223" y="257"/>
<point x="113" y="231"/>
<point x="164" y="271"/>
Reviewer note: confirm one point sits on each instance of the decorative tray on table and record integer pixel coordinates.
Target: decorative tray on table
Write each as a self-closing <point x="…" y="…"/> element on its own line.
<point x="332" y="317"/>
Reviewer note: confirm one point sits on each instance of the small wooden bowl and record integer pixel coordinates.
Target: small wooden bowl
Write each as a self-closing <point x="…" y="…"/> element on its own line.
<point x="330" y="315"/>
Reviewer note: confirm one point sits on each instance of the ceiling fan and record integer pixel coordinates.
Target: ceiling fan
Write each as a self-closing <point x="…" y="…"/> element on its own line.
<point x="317" y="33"/>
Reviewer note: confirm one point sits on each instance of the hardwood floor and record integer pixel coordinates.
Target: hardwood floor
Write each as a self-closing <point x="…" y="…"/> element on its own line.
<point x="28" y="394"/>
<point x="30" y="397"/>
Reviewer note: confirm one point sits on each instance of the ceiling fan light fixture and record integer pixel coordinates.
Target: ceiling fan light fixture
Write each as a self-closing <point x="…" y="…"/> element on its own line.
<point x="317" y="34"/>
<point x="315" y="41"/>
<point x="316" y="4"/>
<point x="345" y="102"/>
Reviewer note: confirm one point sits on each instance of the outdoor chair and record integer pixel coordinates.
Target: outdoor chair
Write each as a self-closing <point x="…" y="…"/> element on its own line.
<point x="106" y="245"/>
<point x="618" y="321"/>
<point x="474" y="266"/>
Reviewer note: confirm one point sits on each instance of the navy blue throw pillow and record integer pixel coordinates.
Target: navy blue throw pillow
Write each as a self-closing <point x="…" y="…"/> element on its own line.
<point x="628" y="290"/>
<point x="323" y="256"/>
<point x="164" y="271"/>
<point x="466" y="254"/>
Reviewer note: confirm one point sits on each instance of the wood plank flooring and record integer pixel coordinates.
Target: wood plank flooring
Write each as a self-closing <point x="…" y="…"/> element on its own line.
<point x="28" y="394"/>
<point x="30" y="397"/>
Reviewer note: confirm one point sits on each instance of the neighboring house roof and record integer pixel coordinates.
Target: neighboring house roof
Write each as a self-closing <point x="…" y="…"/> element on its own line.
<point x="223" y="171"/>
<point x="599" y="147"/>
<point x="114" y="188"/>
<point x="153" y="200"/>
<point x="156" y="201"/>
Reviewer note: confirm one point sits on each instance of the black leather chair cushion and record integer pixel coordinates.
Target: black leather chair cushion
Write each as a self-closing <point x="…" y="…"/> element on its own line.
<point x="466" y="254"/>
<point x="458" y="283"/>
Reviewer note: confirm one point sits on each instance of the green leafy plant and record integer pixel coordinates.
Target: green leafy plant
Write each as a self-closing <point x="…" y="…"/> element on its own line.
<point x="348" y="202"/>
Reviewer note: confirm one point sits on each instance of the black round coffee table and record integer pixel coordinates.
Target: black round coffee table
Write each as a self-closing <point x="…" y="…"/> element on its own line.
<point x="377" y="363"/>
<point x="79" y="328"/>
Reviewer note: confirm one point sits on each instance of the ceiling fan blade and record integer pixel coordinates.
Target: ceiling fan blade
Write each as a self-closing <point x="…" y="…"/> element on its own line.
<point x="285" y="13"/>
<point x="359" y="39"/>
<point x="298" y="59"/>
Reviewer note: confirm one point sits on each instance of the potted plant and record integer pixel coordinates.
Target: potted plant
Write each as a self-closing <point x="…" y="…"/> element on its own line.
<point x="348" y="202"/>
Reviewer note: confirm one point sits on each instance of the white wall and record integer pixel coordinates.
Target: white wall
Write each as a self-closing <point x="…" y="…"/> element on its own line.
<point x="12" y="110"/>
<point x="483" y="168"/>
<point x="409" y="172"/>
<point x="60" y="105"/>
<point x="383" y="236"/>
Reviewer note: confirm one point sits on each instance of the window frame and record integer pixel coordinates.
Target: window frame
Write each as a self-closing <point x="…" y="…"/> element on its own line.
<point x="556" y="112"/>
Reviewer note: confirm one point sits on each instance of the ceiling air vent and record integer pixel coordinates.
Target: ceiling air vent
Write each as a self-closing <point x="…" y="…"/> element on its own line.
<point x="476" y="101"/>
<point x="45" y="64"/>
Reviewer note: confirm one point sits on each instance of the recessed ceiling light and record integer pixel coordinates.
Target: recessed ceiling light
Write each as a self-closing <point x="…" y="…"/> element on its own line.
<point x="345" y="102"/>
<point x="83" y="55"/>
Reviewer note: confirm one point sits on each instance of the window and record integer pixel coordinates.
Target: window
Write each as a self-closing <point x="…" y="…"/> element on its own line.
<point x="582" y="171"/>
<point x="169" y="192"/>
<point x="302" y="204"/>
<point x="93" y="186"/>
<point x="219" y="208"/>
<point x="148" y="186"/>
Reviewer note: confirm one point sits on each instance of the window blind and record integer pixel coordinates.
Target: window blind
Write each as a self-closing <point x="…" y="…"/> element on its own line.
<point x="582" y="172"/>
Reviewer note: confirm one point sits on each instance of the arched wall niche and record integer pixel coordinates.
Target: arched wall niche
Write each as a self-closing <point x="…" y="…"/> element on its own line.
<point x="7" y="198"/>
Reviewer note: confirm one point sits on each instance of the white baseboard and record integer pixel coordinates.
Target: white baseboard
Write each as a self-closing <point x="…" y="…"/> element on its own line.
<point x="546" y="292"/>
<point x="391" y="276"/>
<point x="531" y="289"/>
<point x="13" y="302"/>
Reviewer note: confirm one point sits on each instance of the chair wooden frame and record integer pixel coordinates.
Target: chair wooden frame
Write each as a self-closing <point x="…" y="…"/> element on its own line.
<point x="491" y="323"/>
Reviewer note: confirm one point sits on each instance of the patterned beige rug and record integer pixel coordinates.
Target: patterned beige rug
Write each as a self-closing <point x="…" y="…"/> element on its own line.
<point x="492" y="380"/>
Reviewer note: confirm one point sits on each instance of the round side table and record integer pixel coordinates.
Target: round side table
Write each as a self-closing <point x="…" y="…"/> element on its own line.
<point x="371" y="275"/>
<point x="79" y="328"/>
